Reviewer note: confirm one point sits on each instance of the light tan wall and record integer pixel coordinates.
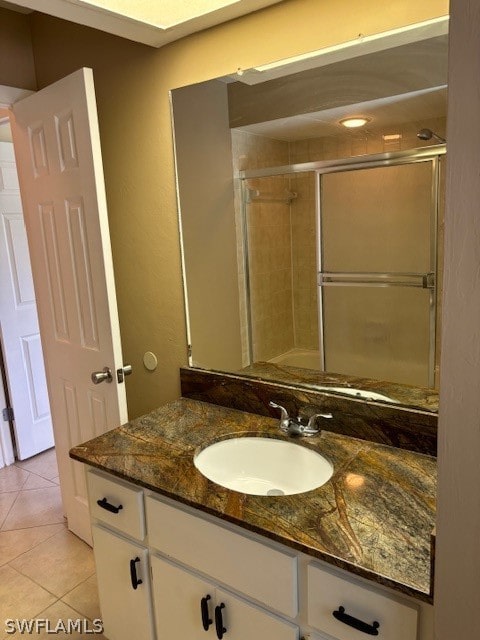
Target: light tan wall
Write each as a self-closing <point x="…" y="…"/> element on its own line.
<point x="16" y="55"/>
<point x="457" y="584"/>
<point x="203" y="147"/>
<point x="132" y="83"/>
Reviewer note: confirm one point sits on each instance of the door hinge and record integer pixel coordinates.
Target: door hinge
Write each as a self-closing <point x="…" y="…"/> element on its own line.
<point x="189" y="350"/>
<point x="7" y="414"/>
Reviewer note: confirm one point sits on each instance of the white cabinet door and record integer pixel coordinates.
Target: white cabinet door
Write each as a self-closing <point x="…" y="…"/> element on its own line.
<point x="126" y="610"/>
<point x="177" y="601"/>
<point x="178" y="594"/>
<point x="243" y="620"/>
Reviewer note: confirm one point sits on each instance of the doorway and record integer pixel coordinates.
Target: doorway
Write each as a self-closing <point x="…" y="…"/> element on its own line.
<point x="58" y="155"/>
<point x="28" y="429"/>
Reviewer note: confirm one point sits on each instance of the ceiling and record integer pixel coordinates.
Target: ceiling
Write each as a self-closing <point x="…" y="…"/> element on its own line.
<point x="382" y="113"/>
<point x="396" y="86"/>
<point x="152" y="22"/>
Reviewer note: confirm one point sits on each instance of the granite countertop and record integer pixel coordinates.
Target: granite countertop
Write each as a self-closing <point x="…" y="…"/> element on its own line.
<point x="373" y="518"/>
<point x="403" y="395"/>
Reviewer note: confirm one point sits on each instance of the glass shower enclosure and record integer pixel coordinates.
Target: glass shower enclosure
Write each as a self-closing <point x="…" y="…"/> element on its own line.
<point x="340" y="261"/>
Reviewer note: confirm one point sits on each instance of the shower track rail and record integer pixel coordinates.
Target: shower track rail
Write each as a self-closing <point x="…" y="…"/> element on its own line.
<point x="347" y="164"/>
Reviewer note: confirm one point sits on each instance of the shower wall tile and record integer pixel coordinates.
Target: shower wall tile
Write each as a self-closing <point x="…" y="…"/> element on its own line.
<point x="282" y="242"/>
<point x="269" y="245"/>
<point x="346" y="145"/>
<point x="304" y="262"/>
<point x="269" y="242"/>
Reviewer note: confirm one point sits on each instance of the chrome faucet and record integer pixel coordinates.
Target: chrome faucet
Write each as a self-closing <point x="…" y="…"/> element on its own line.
<point x="297" y="426"/>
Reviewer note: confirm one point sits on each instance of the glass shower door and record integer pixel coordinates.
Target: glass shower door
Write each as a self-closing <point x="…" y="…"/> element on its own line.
<point x="377" y="266"/>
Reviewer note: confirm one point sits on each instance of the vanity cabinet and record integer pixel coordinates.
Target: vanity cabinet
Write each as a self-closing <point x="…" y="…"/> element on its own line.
<point x="258" y="570"/>
<point x="187" y="605"/>
<point x="166" y="570"/>
<point x="123" y="586"/>
<point x="348" y="610"/>
<point x="121" y="557"/>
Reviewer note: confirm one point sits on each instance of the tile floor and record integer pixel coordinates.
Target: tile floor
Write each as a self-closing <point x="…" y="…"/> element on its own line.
<point x="45" y="571"/>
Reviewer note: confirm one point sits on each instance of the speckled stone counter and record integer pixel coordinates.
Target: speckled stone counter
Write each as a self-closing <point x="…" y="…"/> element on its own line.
<point x="392" y="425"/>
<point x="373" y="518"/>
<point x="402" y="394"/>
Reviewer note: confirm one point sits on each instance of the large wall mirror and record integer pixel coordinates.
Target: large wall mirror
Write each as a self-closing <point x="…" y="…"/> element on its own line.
<point x="312" y="250"/>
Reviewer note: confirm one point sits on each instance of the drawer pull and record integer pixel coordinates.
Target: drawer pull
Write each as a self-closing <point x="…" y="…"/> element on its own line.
<point x="109" y="507"/>
<point x="359" y="625"/>
<point x="133" y="573"/>
<point x="220" y="629"/>
<point x="206" y="621"/>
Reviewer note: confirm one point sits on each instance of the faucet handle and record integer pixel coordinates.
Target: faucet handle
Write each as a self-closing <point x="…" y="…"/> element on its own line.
<point x="284" y="417"/>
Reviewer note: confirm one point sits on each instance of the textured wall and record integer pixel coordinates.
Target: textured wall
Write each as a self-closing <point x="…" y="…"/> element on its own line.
<point x="458" y="526"/>
<point x="16" y="55"/>
<point x="203" y="147"/>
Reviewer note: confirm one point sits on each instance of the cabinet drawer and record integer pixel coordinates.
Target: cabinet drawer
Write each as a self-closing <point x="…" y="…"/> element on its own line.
<point x="328" y="591"/>
<point x="114" y="493"/>
<point x="255" y="569"/>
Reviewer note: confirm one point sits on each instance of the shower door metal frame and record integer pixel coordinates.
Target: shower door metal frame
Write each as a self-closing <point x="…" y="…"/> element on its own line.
<point x="430" y="153"/>
<point x="376" y="279"/>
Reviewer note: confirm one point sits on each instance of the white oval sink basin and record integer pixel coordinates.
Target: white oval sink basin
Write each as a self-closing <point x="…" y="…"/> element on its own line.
<point x="359" y="393"/>
<point x="263" y="466"/>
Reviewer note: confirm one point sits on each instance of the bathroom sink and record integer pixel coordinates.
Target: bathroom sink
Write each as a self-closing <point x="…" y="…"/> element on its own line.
<point x="359" y="393"/>
<point x="263" y="466"/>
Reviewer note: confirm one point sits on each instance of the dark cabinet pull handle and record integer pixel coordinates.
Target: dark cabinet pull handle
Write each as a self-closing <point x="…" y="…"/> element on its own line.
<point x="133" y="573"/>
<point x="220" y="629"/>
<point x="206" y="621"/>
<point x="109" y="507"/>
<point x="359" y="625"/>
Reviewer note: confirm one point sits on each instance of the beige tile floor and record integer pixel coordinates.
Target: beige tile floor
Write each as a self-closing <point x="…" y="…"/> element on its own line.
<point x="45" y="571"/>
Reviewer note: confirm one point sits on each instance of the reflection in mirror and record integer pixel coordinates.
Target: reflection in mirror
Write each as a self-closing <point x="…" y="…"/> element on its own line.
<point x="312" y="253"/>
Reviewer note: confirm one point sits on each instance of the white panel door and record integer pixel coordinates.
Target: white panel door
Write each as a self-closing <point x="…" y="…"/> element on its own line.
<point x="57" y="145"/>
<point x="19" y="321"/>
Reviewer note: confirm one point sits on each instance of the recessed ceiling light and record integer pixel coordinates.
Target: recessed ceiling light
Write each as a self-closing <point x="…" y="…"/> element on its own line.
<point x="353" y="123"/>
